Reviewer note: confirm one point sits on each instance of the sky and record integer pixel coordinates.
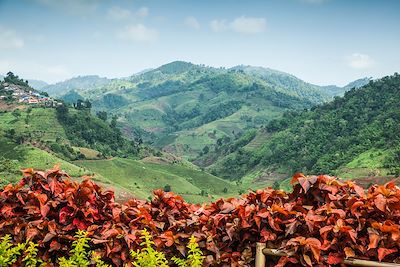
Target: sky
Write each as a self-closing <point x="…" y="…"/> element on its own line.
<point x="320" y="41"/>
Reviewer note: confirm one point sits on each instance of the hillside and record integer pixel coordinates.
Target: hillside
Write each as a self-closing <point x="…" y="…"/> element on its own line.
<point x="41" y="136"/>
<point x="354" y="136"/>
<point x="185" y="108"/>
<point x="141" y="177"/>
<point x="334" y="90"/>
<point x="37" y="84"/>
<point x="129" y="177"/>
<point x="77" y="83"/>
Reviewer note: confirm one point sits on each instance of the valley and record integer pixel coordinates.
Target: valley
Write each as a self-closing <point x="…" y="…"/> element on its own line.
<point x="183" y="108"/>
<point x="202" y="132"/>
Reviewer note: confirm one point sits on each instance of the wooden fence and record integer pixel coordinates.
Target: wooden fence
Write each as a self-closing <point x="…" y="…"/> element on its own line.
<point x="262" y="252"/>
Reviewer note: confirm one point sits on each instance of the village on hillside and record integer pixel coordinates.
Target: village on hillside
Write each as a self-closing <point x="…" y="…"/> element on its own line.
<point x="24" y="95"/>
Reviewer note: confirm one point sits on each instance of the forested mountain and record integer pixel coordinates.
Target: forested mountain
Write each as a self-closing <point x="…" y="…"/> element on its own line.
<point x="361" y="129"/>
<point x="37" y="84"/>
<point x="185" y="108"/>
<point x="334" y="90"/>
<point x="78" y="83"/>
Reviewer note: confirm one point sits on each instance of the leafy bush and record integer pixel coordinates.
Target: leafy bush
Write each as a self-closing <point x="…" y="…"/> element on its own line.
<point x="148" y="256"/>
<point x="323" y="220"/>
<point x="81" y="255"/>
<point x="79" y="252"/>
<point x="195" y="256"/>
<point x="8" y="253"/>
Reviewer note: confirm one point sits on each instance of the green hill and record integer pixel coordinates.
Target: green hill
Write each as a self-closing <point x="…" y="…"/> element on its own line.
<point x="185" y="108"/>
<point x="32" y="135"/>
<point x="77" y="83"/>
<point x="353" y="136"/>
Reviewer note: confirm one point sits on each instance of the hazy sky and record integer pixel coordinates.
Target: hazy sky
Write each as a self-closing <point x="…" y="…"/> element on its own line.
<point x="320" y="41"/>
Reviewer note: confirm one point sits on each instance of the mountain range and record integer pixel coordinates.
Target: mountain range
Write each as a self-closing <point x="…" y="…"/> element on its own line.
<point x="184" y="108"/>
<point x="208" y="132"/>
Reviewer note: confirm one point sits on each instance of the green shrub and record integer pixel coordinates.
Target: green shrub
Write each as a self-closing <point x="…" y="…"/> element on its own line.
<point x="81" y="256"/>
<point x="31" y="259"/>
<point x="8" y="253"/>
<point x="79" y="252"/>
<point x="194" y="258"/>
<point x="148" y="256"/>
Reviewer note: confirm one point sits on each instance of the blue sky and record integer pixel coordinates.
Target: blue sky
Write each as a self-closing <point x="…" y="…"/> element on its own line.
<point x="320" y="41"/>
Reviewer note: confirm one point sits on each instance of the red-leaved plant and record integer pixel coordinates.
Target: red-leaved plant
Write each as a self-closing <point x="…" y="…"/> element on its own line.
<point x="323" y="221"/>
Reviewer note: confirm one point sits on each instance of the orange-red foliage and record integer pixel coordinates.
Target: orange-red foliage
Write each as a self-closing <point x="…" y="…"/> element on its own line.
<point x="323" y="220"/>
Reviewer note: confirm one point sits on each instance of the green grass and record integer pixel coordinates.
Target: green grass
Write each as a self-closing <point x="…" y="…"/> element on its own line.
<point x="25" y="156"/>
<point x="373" y="158"/>
<point x="258" y="141"/>
<point x="285" y="185"/>
<point x="40" y="123"/>
<point x="368" y="163"/>
<point x="142" y="178"/>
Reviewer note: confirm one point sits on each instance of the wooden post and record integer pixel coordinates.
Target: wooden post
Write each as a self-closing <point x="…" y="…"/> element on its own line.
<point x="349" y="262"/>
<point x="260" y="256"/>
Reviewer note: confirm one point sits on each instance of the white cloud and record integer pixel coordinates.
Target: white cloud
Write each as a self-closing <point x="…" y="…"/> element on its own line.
<point x="137" y="33"/>
<point x="249" y="25"/>
<point x="192" y="22"/>
<point x="360" y="61"/>
<point x="243" y="24"/>
<point x="142" y="12"/>
<point x="117" y="13"/>
<point x="10" y="39"/>
<point x="219" y="25"/>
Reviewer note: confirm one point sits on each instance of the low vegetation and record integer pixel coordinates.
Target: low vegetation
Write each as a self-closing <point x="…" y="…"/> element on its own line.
<point x="80" y="254"/>
<point x="323" y="220"/>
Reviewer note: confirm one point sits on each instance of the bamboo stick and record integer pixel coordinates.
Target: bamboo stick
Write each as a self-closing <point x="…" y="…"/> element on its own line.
<point x="260" y="256"/>
<point x="357" y="262"/>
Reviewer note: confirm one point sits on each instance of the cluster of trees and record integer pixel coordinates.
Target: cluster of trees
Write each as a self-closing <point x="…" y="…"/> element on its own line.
<point x="85" y="130"/>
<point x="14" y="79"/>
<point x="328" y="136"/>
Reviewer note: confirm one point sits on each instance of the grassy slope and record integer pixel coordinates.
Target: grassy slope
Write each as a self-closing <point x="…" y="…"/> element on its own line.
<point x="368" y="163"/>
<point x="25" y="156"/>
<point x="120" y="174"/>
<point x="41" y="123"/>
<point x="141" y="178"/>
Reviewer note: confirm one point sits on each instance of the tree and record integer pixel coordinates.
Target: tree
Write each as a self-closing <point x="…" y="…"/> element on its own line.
<point x="10" y="133"/>
<point x="206" y="149"/>
<point x="16" y="113"/>
<point x="79" y="104"/>
<point x="276" y="185"/>
<point x="88" y="104"/>
<point x="167" y="188"/>
<point x="102" y="115"/>
<point x="113" y="123"/>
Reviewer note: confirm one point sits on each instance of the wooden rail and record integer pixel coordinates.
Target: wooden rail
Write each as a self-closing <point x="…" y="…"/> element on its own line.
<point x="262" y="251"/>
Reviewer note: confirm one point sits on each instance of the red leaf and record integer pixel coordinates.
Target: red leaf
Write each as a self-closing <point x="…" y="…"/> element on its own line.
<point x="334" y="258"/>
<point x="380" y="202"/>
<point x="168" y="238"/>
<point x="383" y="252"/>
<point x="374" y="238"/>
